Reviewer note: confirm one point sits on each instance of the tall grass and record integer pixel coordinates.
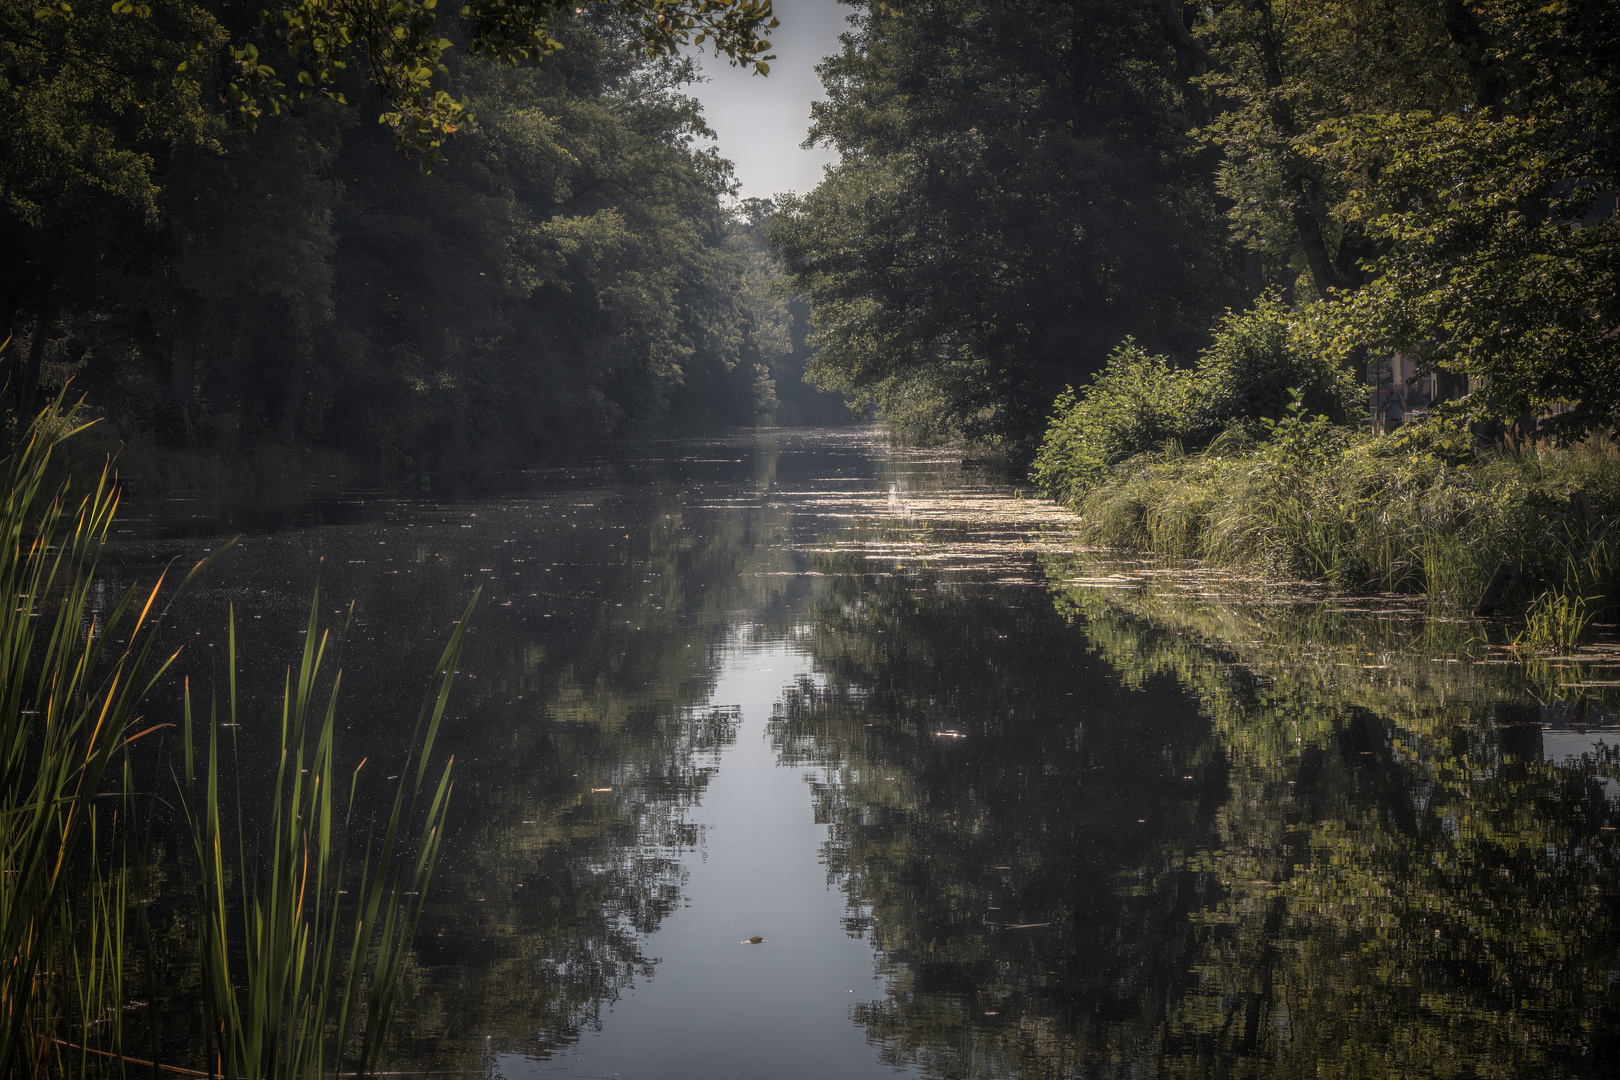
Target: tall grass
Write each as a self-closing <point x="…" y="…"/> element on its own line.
<point x="300" y="953"/>
<point x="1374" y="515"/>
<point x="71" y="678"/>
<point x="300" y="945"/>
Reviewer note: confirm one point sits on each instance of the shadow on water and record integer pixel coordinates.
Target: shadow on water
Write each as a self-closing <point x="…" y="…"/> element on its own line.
<point x="1093" y="817"/>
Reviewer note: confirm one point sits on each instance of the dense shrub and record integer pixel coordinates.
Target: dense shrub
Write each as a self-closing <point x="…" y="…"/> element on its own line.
<point x="1261" y="362"/>
<point x="1260" y="356"/>
<point x="1135" y="403"/>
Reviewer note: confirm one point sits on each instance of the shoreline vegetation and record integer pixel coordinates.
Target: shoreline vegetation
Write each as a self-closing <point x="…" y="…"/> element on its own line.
<point x="1252" y="459"/>
<point x="300" y="916"/>
<point x="1402" y="209"/>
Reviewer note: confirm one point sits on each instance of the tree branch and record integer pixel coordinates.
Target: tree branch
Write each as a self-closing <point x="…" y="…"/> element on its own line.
<point x="1184" y="38"/>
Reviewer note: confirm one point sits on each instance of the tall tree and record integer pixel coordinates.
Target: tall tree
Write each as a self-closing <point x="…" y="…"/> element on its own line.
<point x="92" y="106"/>
<point x="1498" y="243"/>
<point x="1018" y="191"/>
<point x="1445" y="171"/>
<point x="101" y="107"/>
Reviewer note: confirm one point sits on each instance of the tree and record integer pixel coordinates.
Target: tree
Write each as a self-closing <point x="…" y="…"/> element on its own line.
<point x="573" y="275"/>
<point x="402" y="47"/>
<point x="104" y="108"/>
<point x="92" y="106"/>
<point x="1444" y="173"/>
<point x="1499" y="246"/>
<point x="1017" y="192"/>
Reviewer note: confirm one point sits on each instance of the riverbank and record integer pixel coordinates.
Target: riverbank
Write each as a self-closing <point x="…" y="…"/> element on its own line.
<point x="1424" y="511"/>
<point x="149" y="470"/>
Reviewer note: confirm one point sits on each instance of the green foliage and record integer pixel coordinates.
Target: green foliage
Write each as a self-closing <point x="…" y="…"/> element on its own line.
<point x="1265" y="365"/>
<point x="1300" y="441"/>
<point x="1444" y="173"/>
<point x="291" y="972"/>
<point x="92" y="107"/>
<point x="218" y="287"/>
<point x="1318" y="502"/>
<point x="1263" y="358"/>
<point x="1500" y="263"/>
<point x="1442" y="176"/>
<point x="267" y="66"/>
<point x="780" y="326"/>
<point x="1276" y="71"/>
<point x="1444" y="436"/>
<point x="1136" y="403"/>
<point x="1016" y="193"/>
<point x="573" y="277"/>
<point x="1553" y="623"/>
<point x="75" y="665"/>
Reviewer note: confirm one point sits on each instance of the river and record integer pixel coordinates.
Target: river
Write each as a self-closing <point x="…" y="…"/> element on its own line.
<point x="997" y="807"/>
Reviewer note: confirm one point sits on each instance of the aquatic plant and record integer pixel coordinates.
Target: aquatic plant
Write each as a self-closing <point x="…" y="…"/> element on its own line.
<point x="299" y="950"/>
<point x="1553" y="623"/>
<point x="302" y="964"/>
<point x="72" y="675"/>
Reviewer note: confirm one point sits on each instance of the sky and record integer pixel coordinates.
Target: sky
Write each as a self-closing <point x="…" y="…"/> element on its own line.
<point x="761" y="121"/>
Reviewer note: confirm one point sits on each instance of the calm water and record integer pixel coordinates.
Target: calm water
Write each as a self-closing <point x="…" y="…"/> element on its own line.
<point x="998" y="808"/>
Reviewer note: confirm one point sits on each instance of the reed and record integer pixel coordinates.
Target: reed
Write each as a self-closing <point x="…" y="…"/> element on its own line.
<point x="300" y="950"/>
<point x="299" y="946"/>
<point x="71" y="678"/>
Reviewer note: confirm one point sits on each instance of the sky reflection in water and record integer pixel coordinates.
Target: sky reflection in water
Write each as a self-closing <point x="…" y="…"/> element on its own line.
<point x="998" y="809"/>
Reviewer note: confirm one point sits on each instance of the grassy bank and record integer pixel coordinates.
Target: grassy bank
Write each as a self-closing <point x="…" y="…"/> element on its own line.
<point x="1423" y="511"/>
<point x="1255" y="457"/>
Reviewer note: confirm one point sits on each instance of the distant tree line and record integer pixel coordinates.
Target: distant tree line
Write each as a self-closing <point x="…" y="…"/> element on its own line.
<point x="1027" y="184"/>
<point x="203" y="232"/>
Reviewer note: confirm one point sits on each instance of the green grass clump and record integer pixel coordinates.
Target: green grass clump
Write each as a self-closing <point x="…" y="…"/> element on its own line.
<point x="1419" y="512"/>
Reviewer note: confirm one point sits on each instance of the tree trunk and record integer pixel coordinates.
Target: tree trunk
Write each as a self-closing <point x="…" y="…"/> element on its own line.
<point x="293" y="397"/>
<point x="1182" y="39"/>
<point x="1295" y="193"/>
<point x="1449" y="386"/>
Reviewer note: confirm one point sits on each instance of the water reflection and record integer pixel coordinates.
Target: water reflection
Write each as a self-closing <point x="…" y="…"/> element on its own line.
<point x="1410" y="885"/>
<point x="1146" y="834"/>
<point x="1083" y="817"/>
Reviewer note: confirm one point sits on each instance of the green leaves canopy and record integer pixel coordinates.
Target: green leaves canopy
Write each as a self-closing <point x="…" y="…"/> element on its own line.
<point x="403" y="45"/>
<point x="1016" y="193"/>
<point x="1445" y="173"/>
<point x="1500" y="249"/>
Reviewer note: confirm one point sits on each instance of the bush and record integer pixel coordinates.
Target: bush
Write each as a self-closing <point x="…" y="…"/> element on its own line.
<point x="1134" y="404"/>
<point x="1262" y="363"/>
<point x="1260" y="356"/>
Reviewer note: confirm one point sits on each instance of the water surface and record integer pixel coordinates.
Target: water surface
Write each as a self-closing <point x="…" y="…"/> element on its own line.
<point x="998" y="807"/>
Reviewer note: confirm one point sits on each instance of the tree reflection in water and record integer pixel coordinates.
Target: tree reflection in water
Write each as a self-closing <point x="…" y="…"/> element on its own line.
<point x="1090" y="832"/>
<point x="1091" y="839"/>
